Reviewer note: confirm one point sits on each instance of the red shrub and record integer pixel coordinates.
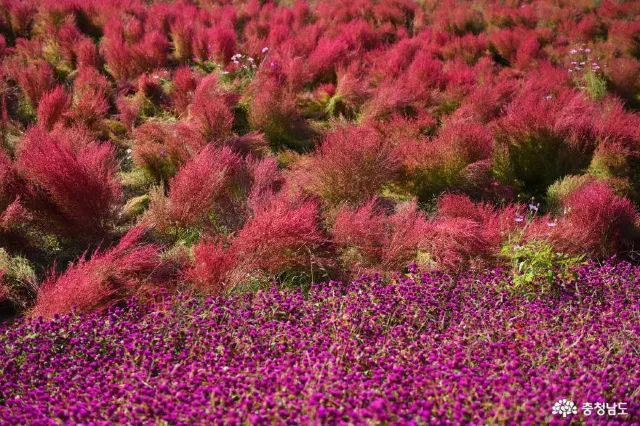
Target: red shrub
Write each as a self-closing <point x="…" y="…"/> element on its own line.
<point x="456" y="245"/>
<point x="431" y="166"/>
<point x="266" y="178"/>
<point x="87" y="54"/>
<point x="345" y="150"/>
<point x="90" y="111"/>
<point x="252" y="143"/>
<point x="389" y="97"/>
<point x="486" y="102"/>
<point x="210" y="111"/>
<point x="495" y="225"/>
<point x="75" y="192"/>
<point x="619" y="126"/>
<point x="361" y="234"/>
<point x="35" y="79"/>
<point x="119" y="58"/>
<point x="222" y="43"/>
<point x="162" y="149"/>
<point x="469" y="48"/>
<point x="213" y="117"/>
<point x="217" y="44"/>
<point x="21" y="16"/>
<point x="273" y="109"/>
<point x="52" y="107"/>
<point x="598" y="222"/>
<point x="127" y="60"/>
<point x="7" y="189"/>
<point x="424" y="75"/>
<point x="213" y="270"/>
<point x="184" y="87"/>
<point x="99" y="282"/>
<point x="90" y="82"/>
<point x="151" y="52"/>
<point x="370" y="239"/>
<point x="208" y="180"/>
<point x="624" y="74"/>
<point x="128" y="112"/>
<point x="328" y="54"/>
<point x="625" y="36"/>
<point x="506" y="42"/>
<point x="282" y="236"/>
<point x="544" y="136"/>
<point x="528" y="52"/>
<point x="182" y="34"/>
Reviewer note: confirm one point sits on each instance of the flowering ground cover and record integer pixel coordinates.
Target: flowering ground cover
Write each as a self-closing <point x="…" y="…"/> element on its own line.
<point x="218" y="145"/>
<point x="420" y="349"/>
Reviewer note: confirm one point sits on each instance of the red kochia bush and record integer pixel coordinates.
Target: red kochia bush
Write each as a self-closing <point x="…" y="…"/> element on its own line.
<point x="161" y="148"/>
<point x="209" y="179"/>
<point x="210" y="111"/>
<point x="369" y="239"/>
<point x="598" y="222"/>
<point x="352" y="164"/>
<point x="34" y="80"/>
<point x="212" y="271"/>
<point x="73" y="189"/>
<point x="184" y="87"/>
<point x="5" y="170"/>
<point x="495" y="224"/>
<point x="456" y="244"/>
<point x="283" y="235"/>
<point x="108" y="276"/>
<point x="431" y="166"/>
<point x="53" y="105"/>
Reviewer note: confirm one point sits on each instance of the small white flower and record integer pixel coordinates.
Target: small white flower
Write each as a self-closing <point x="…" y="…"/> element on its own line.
<point x="573" y="51"/>
<point x="587" y="50"/>
<point x="128" y="150"/>
<point x="156" y="77"/>
<point x="250" y="60"/>
<point x="265" y="49"/>
<point x="224" y="72"/>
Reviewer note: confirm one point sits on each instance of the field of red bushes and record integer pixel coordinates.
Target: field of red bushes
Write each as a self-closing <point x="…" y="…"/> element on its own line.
<point x="216" y="148"/>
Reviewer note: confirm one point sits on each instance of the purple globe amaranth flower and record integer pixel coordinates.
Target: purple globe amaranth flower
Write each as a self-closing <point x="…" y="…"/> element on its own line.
<point x="425" y="348"/>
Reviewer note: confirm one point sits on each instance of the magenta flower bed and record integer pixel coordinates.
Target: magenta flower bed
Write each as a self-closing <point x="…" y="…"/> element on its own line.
<point x="426" y="349"/>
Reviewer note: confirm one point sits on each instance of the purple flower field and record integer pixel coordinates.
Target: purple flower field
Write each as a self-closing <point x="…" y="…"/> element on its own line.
<point x="420" y="349"/>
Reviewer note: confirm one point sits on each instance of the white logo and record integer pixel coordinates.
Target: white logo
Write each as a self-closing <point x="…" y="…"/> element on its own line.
<point x="564" y="407"/>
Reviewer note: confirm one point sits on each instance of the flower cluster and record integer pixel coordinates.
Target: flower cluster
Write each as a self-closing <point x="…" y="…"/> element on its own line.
<point x="422" y="349"/>
<point x="581" y="61"/>
<point x="309" y="140"/>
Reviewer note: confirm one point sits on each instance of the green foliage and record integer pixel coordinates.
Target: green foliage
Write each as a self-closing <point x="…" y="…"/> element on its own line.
<point x="562" y="188"/>
<point x="19" y="278"/>
<point x="137" y="180"/>
<point x="536" y="266"/>
<point x="535" y="162"/>
<point x="610" y="164"/>
<point x="595" y="85"/>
